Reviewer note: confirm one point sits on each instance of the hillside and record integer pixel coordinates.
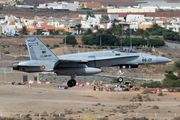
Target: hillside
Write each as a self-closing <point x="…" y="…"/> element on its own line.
<point x="35" y="2"/>
<point x="103" y="2"/>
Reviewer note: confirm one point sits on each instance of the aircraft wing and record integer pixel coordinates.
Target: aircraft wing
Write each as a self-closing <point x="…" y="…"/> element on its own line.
<point x="71" y="61"/>
<point x="67" y="61"/>
<point x="116" y="57"/>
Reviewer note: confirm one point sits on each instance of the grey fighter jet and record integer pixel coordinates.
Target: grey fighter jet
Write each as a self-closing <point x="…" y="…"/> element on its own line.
<point x="87" y="63"/>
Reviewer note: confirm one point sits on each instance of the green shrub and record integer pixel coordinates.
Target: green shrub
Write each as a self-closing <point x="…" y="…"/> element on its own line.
<point x="56" y="45"/>
<point x="169" y="71"/>
<point x="111" y="47"/>
<point x="170" y="83"/>
<point x="114" y="80"/>
<point x="104" y="47"/>
<point x="155" y="84"/>
<point x="177" y="89"/>
<point x="70" y="40"/>
<point x="47" y="45"/>
<point x="146" y="92"/>
<point x="160" y="94"/>
<point x="7" y="52"/>
<point x="170" y="35"/>
<point x="107" y="39"/>
<point x="159" y="32"/>
<point x="171" y="76"/>
<point x="140" y="42"/>
<point x="52" y="47"/>
<point x="155" y="107"/>
<point x="99" y="47"/>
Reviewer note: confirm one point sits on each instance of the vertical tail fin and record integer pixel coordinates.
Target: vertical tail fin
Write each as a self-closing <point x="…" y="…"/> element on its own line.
<point x="38" y="51"/>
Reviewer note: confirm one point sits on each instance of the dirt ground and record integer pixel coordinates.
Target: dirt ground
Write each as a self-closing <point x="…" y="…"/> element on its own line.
<point x="82" y="102"/>
<point x="50" y="41"/>
<point x="30" y="13"/>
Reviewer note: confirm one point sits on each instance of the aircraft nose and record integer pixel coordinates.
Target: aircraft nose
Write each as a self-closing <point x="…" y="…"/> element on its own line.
<point x="162" y="60"/>
<point x="15" y="66"/>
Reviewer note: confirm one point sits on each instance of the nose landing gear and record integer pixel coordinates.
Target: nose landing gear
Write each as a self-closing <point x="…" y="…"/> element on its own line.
<point x="120" y="79"/>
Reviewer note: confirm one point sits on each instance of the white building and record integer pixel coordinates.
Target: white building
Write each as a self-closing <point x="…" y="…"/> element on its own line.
<point x="90" y="22"/>
<point x="57" y="24"/>
<point x="2" y="20"/>
<point x="28" y="22"/>
<point x="98" y="16"/>
<point x="8" y="30"/>
<point x="160" y="23"/>
<point x="60" y="6"/>
<point x="134" y="25"/>
<point x="24" y="6"/>
<point x="137" y="18"/>
<point x="131" y="10"/>
<point x="174" y="26"/>
<point x="11" y="18"/>
<point x="160" y="5"/>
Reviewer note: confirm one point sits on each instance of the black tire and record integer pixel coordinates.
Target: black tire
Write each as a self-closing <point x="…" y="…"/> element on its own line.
<point x="69" y="83"/>
<point x="73" y="82"/>
<point x="120" y="79"/>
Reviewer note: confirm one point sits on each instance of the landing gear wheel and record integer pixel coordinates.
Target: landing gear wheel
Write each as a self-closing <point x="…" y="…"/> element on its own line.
<point x="71" y="83"/>
<point x="120" y="79"/>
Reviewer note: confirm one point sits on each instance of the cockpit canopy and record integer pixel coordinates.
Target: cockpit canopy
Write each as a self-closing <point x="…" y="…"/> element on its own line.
<point x="126" y="50"/>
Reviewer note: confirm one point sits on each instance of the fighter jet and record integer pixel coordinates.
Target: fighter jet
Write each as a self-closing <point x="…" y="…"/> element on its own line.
<point x="77" y="64"/>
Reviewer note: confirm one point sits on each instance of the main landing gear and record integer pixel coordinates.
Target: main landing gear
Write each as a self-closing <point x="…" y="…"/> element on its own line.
<point x="72" y="82"/>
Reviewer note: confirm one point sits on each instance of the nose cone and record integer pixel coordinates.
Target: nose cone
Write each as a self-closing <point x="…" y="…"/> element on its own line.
<point x="162" y="60"/>
<point x="15" y="66"/>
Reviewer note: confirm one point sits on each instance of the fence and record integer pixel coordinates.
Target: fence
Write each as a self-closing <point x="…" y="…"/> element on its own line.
<point x="9" y="75"/>
<point x="135" y="74"/>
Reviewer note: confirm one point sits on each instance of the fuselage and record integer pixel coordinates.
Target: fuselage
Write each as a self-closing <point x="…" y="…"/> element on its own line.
<point x="115" y="58"/>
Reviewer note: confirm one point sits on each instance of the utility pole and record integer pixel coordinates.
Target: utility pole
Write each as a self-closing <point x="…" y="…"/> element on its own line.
<point x="130" y="39"/>
<point x="122" y="31"/>
<point x="36" y="21"/>
<point x="65" y="38"/>
<point x="122" y="34"/>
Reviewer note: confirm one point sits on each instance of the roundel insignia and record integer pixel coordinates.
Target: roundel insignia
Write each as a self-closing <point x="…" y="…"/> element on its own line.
<point x="43" y="67"/>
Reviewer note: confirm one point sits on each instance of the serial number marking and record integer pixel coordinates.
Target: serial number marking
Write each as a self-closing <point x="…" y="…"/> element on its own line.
<point x="147" y="60"/>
